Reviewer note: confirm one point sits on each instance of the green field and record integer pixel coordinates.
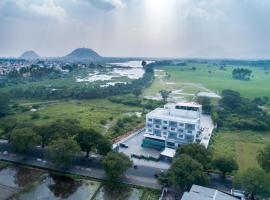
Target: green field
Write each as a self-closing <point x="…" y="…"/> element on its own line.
<point x="201" y="80"/>
<point x="90" y="113"/>
<point x="241" y="145"/>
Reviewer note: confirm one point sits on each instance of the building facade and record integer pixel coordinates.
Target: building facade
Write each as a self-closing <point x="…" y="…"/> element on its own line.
<point x="173" y="126"/>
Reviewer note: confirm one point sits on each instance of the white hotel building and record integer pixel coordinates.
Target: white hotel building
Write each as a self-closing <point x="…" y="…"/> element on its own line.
<point x="175" y="125"/>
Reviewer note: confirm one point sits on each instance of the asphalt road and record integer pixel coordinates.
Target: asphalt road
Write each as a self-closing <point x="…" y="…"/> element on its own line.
<point x="142" y="176"/>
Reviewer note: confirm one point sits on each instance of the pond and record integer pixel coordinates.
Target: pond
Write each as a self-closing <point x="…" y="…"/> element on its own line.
<point x="117" y="192"/>
<point x="56" y="187"/>
<point x="131" y="69"/>
<point x="18" y="177"/>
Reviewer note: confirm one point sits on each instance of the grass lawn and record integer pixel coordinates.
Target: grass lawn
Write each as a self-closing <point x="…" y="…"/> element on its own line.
<point x="242" y="145"/>
<point x="90" y="113"/>
<point x="150" y="194"/>
<point x="218" y="80"/>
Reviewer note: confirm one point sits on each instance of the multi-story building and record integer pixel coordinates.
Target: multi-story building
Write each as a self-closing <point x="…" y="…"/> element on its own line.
<point x="173" y="126"/>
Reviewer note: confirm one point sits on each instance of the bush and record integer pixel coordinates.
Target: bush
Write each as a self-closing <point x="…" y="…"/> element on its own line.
<point x="35" y="116"/>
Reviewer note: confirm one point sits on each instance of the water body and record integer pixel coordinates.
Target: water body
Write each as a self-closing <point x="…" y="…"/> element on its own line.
<point x="61" y="188"/>
<point x="18" y="177"/>
<point x="131" y="69"/>
<point x="109" y="192"/>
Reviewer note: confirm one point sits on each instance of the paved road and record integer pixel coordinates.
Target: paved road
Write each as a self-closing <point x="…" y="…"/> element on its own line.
<point x="143" y="176"/>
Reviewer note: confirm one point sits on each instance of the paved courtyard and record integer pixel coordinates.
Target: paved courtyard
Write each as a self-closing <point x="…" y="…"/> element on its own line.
<point x="134" y="147"/>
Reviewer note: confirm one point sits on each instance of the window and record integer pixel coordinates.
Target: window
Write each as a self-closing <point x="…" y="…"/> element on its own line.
<point x="165" y="122"/>
<point x="164" y="134"/>
<point x="190" y="126"/>
<point x="149" y="130"/>
<point x="157" y="121"/>
<point x="149" y="125"/>
<point x="157" y="126"/>
<point x="150" y="120"/>
<point x="173" y="124"/>
<point x="165" y="127"/>
<point x="171" y="144"/>
<point x="181" y="136"/>
<point x="181" y="131"/>
<point x="172" y="135"/>
<point x="189" y="131"/>
<point x="190" y="138"/>
<point x="173" y="129"/>
<point x="187" y="108"/>
<point x="181" y="124"/>
<point x="157" y="132"/>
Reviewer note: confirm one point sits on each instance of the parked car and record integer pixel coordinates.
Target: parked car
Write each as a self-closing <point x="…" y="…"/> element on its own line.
<point x="238" y="193"/>
<point x="124" y="145"/>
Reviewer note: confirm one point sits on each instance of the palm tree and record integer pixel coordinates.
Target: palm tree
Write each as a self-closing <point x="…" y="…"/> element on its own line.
<point x="164" y="94"/>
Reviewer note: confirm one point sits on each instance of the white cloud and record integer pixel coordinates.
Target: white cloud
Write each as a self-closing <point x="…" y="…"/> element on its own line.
<point x="49" y="9"/>
<point x="116" y="3"/>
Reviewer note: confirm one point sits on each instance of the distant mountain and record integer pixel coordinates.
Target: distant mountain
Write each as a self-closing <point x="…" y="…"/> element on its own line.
<point x="30" y="55"/>
<point x="83" y="54"/>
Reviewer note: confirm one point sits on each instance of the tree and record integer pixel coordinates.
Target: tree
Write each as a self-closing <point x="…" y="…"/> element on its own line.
<point x="241" y="74"/>
<point x="8" y="124"/>
<point x="263" y="158"/>
<point x="225" y="165"/>
<point x="196" y="151"/>
<point x="63" y="128"/>
<point x="230" y="99"/>
<point x="144" y="63"/>
<point x="104" y="146"/>
<point x="115" y="164"/>
<point x="24" y="139"/>
<point x="260" y="101"/>
<point x="254" y="181"/>
<point x="137" y="92"/>
<point x="185" y="171"/>
<point x="4" y="101"/>
<point x="62" y="151"/>
<point x="46" y="133"/>
<point x="164" y="94"/>
<point x="206" y="104"/>
<point x="87" y="139"/>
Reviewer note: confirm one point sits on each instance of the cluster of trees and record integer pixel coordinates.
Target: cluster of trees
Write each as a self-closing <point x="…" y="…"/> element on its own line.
<point x="193" y="160"/>
<point x="190" y="165"/>
<point x="256" y="181"/>
<point x="35" y="72"/>
<point x="124" y="125"/>
<point x="85" y="91"/>
<point x="206" y="104"/>
<point x="135" y="101"/>
<point x="4" y="105"/>
<point x="235" y="111"/>
<point x="62" y="140"/>
<point x="241" y="74"/>
<point x="74" y="67"/>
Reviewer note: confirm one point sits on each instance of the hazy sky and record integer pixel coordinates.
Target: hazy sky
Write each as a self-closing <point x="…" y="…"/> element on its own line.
<point x="157" y="28"/>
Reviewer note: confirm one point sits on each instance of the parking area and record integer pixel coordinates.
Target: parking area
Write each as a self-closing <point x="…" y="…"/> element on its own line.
<point x="133" y="146"/>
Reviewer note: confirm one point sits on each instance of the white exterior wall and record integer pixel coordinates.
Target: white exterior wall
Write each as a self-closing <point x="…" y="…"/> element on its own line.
<point x="175" y="126"/>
